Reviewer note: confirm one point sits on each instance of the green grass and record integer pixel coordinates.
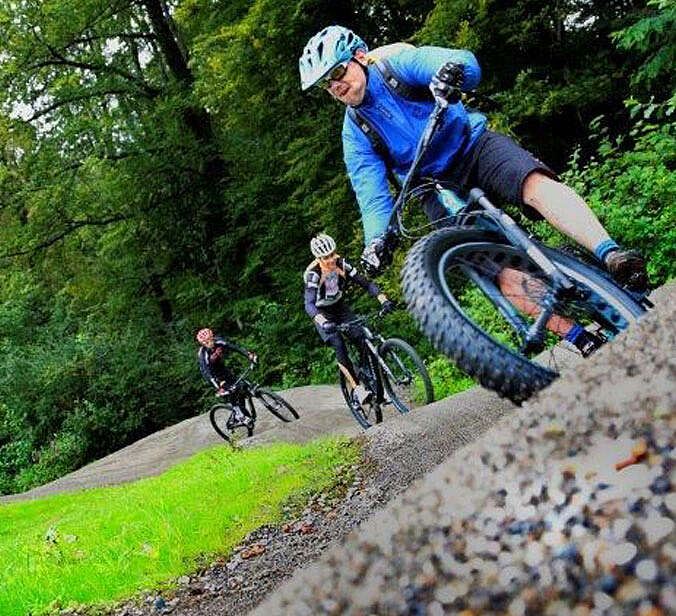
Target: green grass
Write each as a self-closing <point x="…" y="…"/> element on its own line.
<point x="101" y="545"/>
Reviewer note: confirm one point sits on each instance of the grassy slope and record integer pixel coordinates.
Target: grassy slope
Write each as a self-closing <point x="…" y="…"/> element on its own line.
<point x="104" y="544"/>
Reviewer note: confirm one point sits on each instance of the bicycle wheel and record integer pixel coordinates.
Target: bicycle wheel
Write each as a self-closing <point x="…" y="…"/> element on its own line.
<point x="279" y="407"/>
<point x="369" y="413"/>
<point x="406" y="379"/>
<point x="220" y="417"/>
<point x="463" y="320"/>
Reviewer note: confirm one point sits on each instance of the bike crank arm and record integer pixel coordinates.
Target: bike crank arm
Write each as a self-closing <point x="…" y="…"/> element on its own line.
<point x="535" y="336"/>
<point x="560" y="282"/>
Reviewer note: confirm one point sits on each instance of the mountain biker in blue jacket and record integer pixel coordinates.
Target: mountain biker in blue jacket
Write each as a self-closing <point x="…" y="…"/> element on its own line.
<point x="464" y="151"/>
<point x="325" y="280"/>
<point x="211" y="356"/>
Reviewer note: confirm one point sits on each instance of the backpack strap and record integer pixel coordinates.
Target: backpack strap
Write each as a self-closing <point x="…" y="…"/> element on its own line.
<point x="399" y="86"/>
<point x="369" y="130"/>
<point x="377" y="142"/>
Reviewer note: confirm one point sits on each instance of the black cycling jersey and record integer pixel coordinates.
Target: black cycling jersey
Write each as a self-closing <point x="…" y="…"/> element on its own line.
<point x="212" y="366"/>
<point x="325" y="291"/>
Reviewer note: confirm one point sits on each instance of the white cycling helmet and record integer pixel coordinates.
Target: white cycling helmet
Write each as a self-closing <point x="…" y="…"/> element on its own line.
<point x="325" y="50"/>
<point x="323" y="245"/>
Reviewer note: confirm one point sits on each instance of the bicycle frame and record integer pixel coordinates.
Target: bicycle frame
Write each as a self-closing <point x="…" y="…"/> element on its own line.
<point x="249" y="389"/>
<point x="532" y="336"/>
<point x="372" y="342"/>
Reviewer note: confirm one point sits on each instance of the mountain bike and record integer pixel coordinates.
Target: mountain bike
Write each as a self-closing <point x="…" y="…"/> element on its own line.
<point x="390" y="369"/>
<point x="223" y="416"/>
<point x="453" y="284"/>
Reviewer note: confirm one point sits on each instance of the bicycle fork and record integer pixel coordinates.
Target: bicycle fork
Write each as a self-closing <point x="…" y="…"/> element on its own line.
<point x="533" y="337"/>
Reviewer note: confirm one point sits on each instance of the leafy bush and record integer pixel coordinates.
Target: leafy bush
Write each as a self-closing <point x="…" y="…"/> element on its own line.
<point x="633" y="191"/>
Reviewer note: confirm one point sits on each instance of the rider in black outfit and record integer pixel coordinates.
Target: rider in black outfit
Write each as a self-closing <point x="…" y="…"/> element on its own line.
<point x="325" y="280"/>
<point x="213" y="350"/>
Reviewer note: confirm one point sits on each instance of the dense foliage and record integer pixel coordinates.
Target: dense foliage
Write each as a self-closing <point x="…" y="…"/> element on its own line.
<point x="161" y="171"/>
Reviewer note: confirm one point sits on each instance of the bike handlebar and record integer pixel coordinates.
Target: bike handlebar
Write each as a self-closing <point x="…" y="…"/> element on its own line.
<point x="240" y="378"/>
<point x="360" y="320"/>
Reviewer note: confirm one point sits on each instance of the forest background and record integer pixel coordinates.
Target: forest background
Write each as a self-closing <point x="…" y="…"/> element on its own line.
<point x="161" y="171"/>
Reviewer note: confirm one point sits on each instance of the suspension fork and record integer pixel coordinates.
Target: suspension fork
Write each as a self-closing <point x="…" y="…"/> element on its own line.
<point x="561" y="283"/>
<point x="562" y="286"/>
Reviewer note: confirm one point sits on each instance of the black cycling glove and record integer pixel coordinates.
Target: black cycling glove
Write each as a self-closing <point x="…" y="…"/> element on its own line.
<point x="447" y="82"/>
<point x="378" y="255"/>
<point x="387" y="306"/>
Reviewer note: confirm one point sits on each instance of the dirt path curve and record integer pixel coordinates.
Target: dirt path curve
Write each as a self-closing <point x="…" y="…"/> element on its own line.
<point x="322" y="412"/>
<point x="321" y="408"/>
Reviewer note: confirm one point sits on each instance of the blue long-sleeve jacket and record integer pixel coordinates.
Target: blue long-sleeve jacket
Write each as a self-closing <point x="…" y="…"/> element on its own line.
<point x="400" y="123"/>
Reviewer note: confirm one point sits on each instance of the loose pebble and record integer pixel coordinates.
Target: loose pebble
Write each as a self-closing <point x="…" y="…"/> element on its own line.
<point x="646" y="570"/>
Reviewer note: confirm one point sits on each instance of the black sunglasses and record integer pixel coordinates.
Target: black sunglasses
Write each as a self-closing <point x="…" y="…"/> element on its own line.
<point x="336" y="73"/>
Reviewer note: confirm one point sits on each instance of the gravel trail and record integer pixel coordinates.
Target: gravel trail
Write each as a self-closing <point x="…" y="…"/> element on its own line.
<point x="409" y="498"/>
<point x="396" y="453"/>
<point x="533" y="517"/>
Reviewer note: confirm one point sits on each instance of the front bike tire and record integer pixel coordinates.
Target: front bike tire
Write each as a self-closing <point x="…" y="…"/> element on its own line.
<point x="279" y="407"/>
<point x="438" y="309"/>
<point x="408" y="384"/>
<point x="219" y="415"/>
<point x="365" y="415"/>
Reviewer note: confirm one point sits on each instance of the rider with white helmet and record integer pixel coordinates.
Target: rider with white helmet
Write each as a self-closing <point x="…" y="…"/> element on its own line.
<point x="326" y="279"/>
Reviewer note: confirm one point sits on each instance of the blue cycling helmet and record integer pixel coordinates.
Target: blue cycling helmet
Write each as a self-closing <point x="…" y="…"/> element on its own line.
<point x="332" y="46"/>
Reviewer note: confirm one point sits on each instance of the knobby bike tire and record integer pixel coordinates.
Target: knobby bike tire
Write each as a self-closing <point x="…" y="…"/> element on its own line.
<point x="396" y="344"/>
<point x="262" y="394"/>
<point x="495" y="366"/>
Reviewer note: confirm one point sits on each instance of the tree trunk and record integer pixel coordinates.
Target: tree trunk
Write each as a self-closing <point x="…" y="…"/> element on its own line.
<point x="197" y="119"/>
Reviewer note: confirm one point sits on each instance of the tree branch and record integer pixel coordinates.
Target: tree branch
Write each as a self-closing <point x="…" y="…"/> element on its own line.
<point x="75" y="99"/>
<point x="74" y="225"/>
<point x="131" y="37"/>
<point x="61" y="61"/>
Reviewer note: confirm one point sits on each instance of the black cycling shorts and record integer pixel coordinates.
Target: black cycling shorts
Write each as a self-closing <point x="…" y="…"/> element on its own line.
<point x="499" y="166"/>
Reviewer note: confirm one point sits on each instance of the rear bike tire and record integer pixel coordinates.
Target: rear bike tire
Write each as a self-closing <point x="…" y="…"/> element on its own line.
<point x="440" y="315"/>
<point x="279" y="407"/>
<point x="403" y="392"/>
<point x="219" y="415"/>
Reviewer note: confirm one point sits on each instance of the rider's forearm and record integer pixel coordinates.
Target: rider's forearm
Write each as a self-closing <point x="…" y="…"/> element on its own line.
<point x="368" y="285"/>
<point x="368" y="176"/>
<point x="418" y="66"/>
<point x="237" y="349"/>
<point x="310" y="307"/>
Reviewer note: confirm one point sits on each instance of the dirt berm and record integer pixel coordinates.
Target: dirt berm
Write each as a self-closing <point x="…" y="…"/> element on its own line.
<point x="438" y="428"/>
<point x="533" y="517"/>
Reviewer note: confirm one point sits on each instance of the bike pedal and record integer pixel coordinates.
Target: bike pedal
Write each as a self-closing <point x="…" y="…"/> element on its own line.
<point x="645" y="302"/>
